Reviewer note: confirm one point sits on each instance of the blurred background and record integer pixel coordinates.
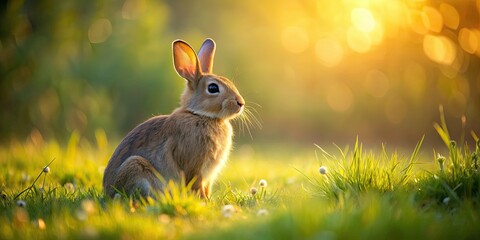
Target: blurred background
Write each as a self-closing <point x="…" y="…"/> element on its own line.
<point x="316" y="71"/>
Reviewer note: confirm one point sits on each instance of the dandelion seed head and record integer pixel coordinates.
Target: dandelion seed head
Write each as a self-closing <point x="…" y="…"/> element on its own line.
<point x="228" y="210"/>
<point x="253" y="190"/>
<point x="21" y="203"/>
<point x="262" y="212"/>
<point x="323" y="170"/>
<point x="46" y="169"/>
<point x="263" y="183"/>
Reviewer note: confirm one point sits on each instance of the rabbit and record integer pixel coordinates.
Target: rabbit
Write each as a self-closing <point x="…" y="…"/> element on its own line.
<point x="193" y="142"/>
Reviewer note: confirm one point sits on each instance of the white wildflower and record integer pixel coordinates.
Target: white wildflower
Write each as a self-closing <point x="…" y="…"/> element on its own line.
<point x="323" y="170"/>
<point x="228" y="210"/>
<point x="21" y="203"/>
<point x="263" y="183"/>
<point x="262" y="212"/>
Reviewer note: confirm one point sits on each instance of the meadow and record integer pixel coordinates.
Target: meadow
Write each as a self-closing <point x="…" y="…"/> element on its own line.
<point x="51" y="191"/>
<point x="76" y="77"/>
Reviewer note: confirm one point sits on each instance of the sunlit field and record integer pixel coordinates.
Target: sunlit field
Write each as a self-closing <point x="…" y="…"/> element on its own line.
<point x="361" y="120"/>
<point x="49" y="191"/>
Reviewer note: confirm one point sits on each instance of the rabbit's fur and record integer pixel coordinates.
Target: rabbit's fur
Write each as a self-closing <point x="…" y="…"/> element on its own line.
<point x="193" y="142"/>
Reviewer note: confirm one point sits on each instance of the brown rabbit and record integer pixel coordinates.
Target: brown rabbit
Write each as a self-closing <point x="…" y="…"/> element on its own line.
<point x="192" y="142"/>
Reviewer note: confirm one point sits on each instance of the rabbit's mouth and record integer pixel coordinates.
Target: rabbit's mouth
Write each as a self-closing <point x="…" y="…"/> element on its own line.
<point x="232" y="108"/>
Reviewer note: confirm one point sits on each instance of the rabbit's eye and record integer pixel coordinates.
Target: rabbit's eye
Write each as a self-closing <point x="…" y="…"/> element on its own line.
<point x="213" y="88"/>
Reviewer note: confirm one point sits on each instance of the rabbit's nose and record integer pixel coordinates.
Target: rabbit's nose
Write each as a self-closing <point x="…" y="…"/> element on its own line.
<point x="240" y="102"/>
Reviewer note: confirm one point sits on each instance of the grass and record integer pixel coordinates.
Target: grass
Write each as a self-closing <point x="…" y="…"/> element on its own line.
<point x="358" y="194"/>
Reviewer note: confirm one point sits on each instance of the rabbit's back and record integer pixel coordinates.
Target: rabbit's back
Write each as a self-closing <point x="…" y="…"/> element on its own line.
<point x="138" y="142"/>
<point x="179" y="144"/>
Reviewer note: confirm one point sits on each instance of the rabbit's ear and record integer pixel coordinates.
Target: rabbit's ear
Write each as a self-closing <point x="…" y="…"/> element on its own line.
<point x="186" y="62"/>
<point x="206" y="54"/>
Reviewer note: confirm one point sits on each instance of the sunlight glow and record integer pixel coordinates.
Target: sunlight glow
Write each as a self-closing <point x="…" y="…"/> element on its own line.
<point x="358" y="41"/>
<point x="469" y="40"/>
<point x="416" y="21"/>
<point x="451" y="19"/>
<point x="295" y="39"/>
<point x="329" y="52"/>
<point x="439" y="49"/>
<point x="432" y="18"/>
<point x="362" y="19"/>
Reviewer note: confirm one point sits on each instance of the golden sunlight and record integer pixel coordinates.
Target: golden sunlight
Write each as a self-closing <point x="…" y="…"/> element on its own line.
<point x="358" y="41"/>
<point x="439" y="49"/>
<point x="469" y="40"/>
<point x="295" y="39"/>
<point x="451" y="19"/>
<point x="432" y="18"/>
<point x="329" y="51"/>
<point x="362" y="19"/>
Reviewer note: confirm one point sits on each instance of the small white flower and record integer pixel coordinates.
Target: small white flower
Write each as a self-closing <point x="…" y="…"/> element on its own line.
<point x="263" y="183"/>
<point x="253" y="190"/>
<point x="46" y="169"/>
<point x="228" y="210"/>
<point x="21" y="203"/>
<point x="262" y="212"/>
<point x="323" y="170"/>
<point x="446" y="200"/>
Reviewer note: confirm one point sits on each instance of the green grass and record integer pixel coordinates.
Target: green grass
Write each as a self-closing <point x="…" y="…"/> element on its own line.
<point x="363" y="195"/>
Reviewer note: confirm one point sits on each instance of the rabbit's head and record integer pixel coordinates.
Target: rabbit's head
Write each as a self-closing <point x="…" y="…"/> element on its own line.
<point x="206" y="94"/>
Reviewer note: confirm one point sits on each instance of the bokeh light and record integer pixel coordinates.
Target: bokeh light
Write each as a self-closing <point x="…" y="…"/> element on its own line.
<point x="362" y="19"/>
<point x="433" y="19"/>
<point x="469" y="40"/>
<point x="451" y="19"/>
<point x="100" y="30"/>
<point x="358" y="41"/>
<point x="329" y="51"/>
<point x="439" y="49"/>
